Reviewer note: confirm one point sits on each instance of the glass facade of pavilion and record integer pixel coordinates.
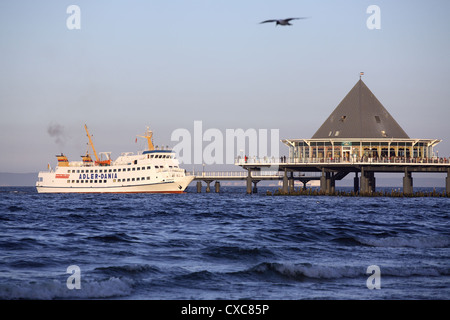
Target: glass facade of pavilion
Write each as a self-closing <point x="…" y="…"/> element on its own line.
<point x="346" y="149"/>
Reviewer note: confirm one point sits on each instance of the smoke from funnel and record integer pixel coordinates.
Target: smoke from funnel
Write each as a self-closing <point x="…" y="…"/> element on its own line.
<point x="56" y="131"/>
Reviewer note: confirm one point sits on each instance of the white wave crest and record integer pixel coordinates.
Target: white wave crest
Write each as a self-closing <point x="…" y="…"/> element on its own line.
<point x="112" y="287"/>
<point x="299" y="271"/>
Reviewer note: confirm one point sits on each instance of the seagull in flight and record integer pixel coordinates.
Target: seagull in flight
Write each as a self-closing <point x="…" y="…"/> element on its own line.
<point x="283" y="22"/>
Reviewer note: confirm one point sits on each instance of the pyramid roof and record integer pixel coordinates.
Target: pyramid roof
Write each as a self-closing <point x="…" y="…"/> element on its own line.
<point x="360" y="115"/>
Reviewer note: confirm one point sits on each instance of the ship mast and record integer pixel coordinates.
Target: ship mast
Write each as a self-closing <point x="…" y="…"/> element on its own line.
<point x="91" y="143"/>
<point x="148" y="135"/>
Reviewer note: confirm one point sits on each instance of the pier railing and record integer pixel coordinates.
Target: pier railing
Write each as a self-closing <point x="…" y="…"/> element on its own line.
<point x="243" y="174"/>
<point x="351" y="160"/>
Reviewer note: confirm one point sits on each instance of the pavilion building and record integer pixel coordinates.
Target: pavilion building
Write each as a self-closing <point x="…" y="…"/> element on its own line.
<point x="359" y="129"/>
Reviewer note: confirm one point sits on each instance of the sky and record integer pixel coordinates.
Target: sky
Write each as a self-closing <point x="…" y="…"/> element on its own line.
<point x="168" y="63"/>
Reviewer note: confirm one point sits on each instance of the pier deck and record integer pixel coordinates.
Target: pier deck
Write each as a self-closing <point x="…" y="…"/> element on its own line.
<point x="335" y="169"/>
<point x="254" y="178"/>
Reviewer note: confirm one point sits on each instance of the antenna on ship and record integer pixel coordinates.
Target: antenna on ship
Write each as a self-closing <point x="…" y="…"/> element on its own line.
<point x="148" y="135"/>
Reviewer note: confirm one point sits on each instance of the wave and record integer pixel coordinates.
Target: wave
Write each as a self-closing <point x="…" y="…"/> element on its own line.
<point x="305" y="271"/>
<point x="109" y="288"/>
<point x="114" y="237"/>
<point x="128" y="270"/>
<point x="236" y="252"/>
<point x="420" y="242"/>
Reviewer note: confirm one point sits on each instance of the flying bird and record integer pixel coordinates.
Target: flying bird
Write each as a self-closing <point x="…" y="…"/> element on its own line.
<point x="283" y="22"/>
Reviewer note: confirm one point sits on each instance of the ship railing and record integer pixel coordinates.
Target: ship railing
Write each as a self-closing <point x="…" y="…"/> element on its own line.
<point x="171" y="170"/>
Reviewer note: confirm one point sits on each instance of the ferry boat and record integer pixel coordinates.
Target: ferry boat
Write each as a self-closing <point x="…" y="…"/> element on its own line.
<point x="150" y="171"/>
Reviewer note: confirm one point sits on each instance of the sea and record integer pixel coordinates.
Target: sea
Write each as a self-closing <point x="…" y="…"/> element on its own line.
<point x="222" y="246"/>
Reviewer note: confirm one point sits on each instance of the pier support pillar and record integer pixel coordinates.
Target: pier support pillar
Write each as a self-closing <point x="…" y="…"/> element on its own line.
<point x="285" y="182"/>
<point x="323" y="181"/>
<point x="331" y="184"/>
<point x="364" y="185"/>
<point x="249" y="182"/>
<point x="199" y="186"/>
<point x="304" y="184"/>
<point x="217" y="186"/>
<point x="208" y="186"/>
<point x="407" y="183"/>
<point x="291" y="183"/>
<point x="447" y="183"/>
<point x="356" y="183"/>
<point x="371" y="182"/>
<point x="255" y="189"/>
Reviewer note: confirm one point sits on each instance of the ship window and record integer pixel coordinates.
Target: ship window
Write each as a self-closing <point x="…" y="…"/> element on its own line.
<point x="111" y="170"/>
<point x="68" y="181"/>
<point x="139" y="168"/>
<point x="99" y="181"/>
<point x="128" y="179"/>
<point x="138" y="179"/>
<point x="133" y="179"/>
<point x="128" y="169"/>
<point x="96" y="171"/>
<point x="115" y="170"/>
<point x="78" y="171"/>
<point x="104" y="181"/>
<point x="148" y="168"/>
<point x="134" y="169"/>
<point x="148" y="178"/>
<point x="114" y="180"/>
<point x="78" y="181"/>
<point x="95" y="181"/>
<point x="143" y="168"/>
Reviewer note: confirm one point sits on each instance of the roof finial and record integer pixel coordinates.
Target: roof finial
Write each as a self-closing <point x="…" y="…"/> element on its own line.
<point x="361" y="74"/>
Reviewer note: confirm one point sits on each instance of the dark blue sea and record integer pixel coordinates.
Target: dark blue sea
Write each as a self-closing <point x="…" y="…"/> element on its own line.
<point x="222" y="246"/>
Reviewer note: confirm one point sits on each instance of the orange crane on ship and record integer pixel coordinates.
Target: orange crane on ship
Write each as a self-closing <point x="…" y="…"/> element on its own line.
<point x="97" y="160"/>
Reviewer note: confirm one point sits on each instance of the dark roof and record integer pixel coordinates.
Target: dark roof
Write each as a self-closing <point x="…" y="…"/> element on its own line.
<point x="360" y="115"/>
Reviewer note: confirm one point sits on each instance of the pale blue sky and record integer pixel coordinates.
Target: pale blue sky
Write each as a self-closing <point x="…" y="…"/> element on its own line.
<point x="168" y="63"/>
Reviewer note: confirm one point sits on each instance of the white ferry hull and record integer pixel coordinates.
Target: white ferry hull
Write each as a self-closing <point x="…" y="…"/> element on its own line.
<point x="177" y="186"/>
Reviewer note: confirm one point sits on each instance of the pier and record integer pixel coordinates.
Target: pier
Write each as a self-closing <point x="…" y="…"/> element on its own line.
<point x="359" y="137"/>
<point x="328" y="171"/>
<point x="252" y="177"/>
